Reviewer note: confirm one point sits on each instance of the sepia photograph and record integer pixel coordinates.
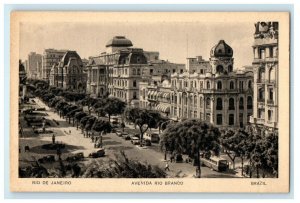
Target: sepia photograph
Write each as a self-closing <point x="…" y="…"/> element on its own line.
<point x="154" y="100"/>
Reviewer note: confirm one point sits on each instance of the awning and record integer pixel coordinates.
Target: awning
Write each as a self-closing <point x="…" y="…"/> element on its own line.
<point x="165" y="108"/>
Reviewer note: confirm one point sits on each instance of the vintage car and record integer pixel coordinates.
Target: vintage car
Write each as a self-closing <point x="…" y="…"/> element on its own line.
<point x="135" y="140"/>
<point x="98" y="153"/>
<point x="76" y="157"/>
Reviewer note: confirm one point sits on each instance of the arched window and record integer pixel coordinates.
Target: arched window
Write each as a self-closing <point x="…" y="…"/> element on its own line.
<point x="219" y="69"/>
<point x="219" y="85"/>
<point x="207" y="85"/>
<point x="195" y="101"/>
<point x="219" y="104"/>
<point x="231" y="104"/>
<point x="261" y="94"/>
<point x="241" y="103"/>
<point x="249" y="102"/>
<point x="272" y="75"/>
<point x="208" y="103"/>
<point x="201" y="102"/>
<point x="231" y="85"/>
<point x="230" y="69"/>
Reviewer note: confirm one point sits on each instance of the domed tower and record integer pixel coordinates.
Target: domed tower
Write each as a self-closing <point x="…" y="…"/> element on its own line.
<point x="221" y="58"/>
<point x="117" y="43"/>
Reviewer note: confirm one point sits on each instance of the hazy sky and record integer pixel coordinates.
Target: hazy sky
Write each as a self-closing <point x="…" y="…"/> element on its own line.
<point x="174" y="41"/>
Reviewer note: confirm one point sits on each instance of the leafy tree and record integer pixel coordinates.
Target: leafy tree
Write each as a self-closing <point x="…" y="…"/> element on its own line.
<point x="78" y="116"/>
<point x="191" y="137"/>
<point x="89" y="124"/>
<point x="71" y="114"/>
<point x="102" y="126"/>
<point x="114" y="106"/>
<point x="143" y="118"/>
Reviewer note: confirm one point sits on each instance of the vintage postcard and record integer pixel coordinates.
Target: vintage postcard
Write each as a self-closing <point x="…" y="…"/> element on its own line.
<point x="150" y="102"/>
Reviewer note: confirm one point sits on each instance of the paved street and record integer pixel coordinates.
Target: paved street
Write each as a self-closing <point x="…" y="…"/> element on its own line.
<point x="113" y="145"/>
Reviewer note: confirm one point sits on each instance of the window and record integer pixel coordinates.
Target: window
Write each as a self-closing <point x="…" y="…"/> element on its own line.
<point x="231" y="104"/>
<point x="219" y="85"/>
<point x="231" y="85"/>
<point x="201" y="102"/>
<point x="207" y="85"/>
<point x="219" y="104"/>
<point x="208" y="117"/>
<point x="133" y="71"/>
<point x="219" y="69"/>
<point x="261" y="113"/>
<point x="134" y="95"/>
<point x="195" y="101"/>
<point x="208" y="103"/>
<point x="134" y="83"/>
<point x="261" y="53"/>
<point x="230" y="69"/>
<point x="241" y="103"/>
<point x="261" y="75"/>
<point x="249" y="102"/>
<point x="271" y="52"/>
<point x="219" y="119"/>
<point x="201" y="71"/>
<point x="271" y="94"/>
<point x="249" y="84"/>
<point x="261" y="94"/>
<point x="270" y="115"/>
<point x="231" y="119"/>
<point x="138" y="71"/>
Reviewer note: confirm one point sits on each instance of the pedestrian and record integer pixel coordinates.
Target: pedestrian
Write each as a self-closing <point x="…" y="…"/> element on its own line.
<point x="70" y="132"/>
<point x="93" y="138"/>
<point x="167" y="167"/>
<point x="172" y="158"/>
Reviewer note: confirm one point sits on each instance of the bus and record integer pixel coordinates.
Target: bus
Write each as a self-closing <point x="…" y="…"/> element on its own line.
<point x="215" y="163"/>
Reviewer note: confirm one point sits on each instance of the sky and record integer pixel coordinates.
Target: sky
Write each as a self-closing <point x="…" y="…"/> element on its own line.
<point x="174" y="41"/>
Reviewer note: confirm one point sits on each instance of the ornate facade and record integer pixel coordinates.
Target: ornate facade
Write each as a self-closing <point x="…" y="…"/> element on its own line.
<point x="69" y="73"/>
<point x="265" y="63"/>
<point x="209" y="90"/>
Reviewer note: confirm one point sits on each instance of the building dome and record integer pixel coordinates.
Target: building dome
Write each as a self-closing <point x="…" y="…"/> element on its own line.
<point x="221" y="50"/>
<point x="119" y="41"/>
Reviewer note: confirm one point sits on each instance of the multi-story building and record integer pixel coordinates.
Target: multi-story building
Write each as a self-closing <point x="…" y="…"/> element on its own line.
<point x="97" y="77"/>
<point x="208" y="90"/>
<point x="34" y="63"/>
<point x="265" y="63"/>
<point x="122" y="66"/>
<point x="69" y="73"/>
<point x="50" y="57"/>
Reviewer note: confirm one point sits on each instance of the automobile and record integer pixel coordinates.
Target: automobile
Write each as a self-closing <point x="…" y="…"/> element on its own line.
<point x="135" y="140"/>
<point x="146" y="142"/>
<point x="125" y="136"/>
<point x="153" y="137"/>
<point x="47" y="159"/>
<point x="76" y="157"/>
<point x="119" y="133"/>
<point x="98" y="153"/>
